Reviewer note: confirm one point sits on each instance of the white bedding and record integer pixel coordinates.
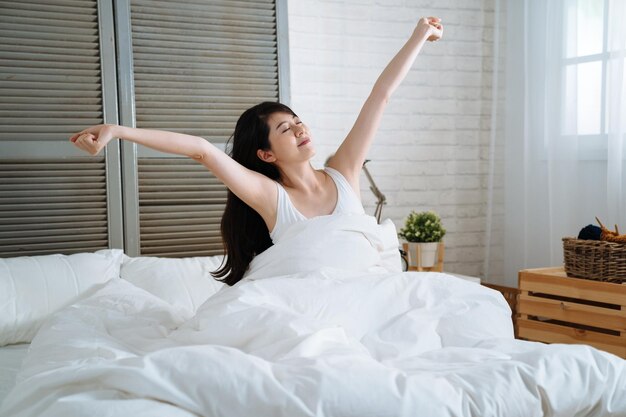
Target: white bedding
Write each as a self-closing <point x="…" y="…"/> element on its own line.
<point x="316" y="329"/>
<point x="10" y="361"/>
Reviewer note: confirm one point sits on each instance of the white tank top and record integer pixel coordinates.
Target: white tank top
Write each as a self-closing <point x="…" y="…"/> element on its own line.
<point x="287" y="214"/>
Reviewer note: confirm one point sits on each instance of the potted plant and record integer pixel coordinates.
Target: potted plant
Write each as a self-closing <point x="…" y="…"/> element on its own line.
<point x="424" y="229"/>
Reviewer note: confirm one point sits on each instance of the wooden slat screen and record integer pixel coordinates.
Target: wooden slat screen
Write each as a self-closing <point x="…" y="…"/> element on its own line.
<point x="50" y="87"/>
<point x="181" y="204"/>
<point x="49" y="69"/>
<point x="59" y="206"/>
<point x="197" y="66"/>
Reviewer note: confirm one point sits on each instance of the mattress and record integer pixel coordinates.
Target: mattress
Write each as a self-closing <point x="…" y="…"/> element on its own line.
<point x="10" y="362"/>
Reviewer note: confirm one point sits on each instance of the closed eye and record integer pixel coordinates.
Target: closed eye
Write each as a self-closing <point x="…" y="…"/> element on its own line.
<point x="288" y="129"/>
<point x="297" y="122"/>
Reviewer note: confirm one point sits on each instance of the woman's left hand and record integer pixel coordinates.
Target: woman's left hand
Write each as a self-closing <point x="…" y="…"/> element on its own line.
<point x="431" y="26"/>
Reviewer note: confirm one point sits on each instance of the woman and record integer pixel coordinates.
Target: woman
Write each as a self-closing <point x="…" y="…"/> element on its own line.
<point x="269" y="175"/>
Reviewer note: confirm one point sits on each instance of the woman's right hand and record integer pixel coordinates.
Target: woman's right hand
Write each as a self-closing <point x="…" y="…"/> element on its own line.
<point x="93" y="139"/>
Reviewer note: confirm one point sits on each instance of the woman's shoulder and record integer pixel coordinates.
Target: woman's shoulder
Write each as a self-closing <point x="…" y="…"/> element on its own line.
<point x="333" y="172"/>
<point x="342" y="179"/>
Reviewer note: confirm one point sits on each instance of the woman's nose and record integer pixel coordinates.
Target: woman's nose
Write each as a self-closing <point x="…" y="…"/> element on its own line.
<point x="299" y="130"/>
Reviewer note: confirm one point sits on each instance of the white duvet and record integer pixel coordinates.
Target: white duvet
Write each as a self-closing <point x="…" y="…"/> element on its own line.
<point x="320" y="327"/>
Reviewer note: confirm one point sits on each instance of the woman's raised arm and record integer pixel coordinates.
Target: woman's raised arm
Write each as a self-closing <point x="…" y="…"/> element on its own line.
<point x="255" y="189"/>
<point x="350" y="156"/>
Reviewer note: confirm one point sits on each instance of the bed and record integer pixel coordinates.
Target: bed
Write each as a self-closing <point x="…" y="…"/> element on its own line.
<point x="33" y="288"/>
<point x="324" y="324"/>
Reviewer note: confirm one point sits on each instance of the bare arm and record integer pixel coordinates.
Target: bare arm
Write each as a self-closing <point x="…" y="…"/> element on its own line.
<point x="350" y="156"/>
<point x="255" y="189"/>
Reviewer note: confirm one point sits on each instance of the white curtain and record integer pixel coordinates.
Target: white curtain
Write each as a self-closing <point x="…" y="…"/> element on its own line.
<point x="562" y="141"/>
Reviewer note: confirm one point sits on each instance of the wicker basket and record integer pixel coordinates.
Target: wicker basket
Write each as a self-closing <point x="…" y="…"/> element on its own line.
<point x="594" y="259"/>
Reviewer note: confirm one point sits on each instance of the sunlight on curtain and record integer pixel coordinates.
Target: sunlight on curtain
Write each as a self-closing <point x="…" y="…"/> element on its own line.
<point x="564" y="133"/>
<point x="616" y="113"/>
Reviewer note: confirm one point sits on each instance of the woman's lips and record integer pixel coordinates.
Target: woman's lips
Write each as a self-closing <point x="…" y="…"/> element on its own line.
<point x="304" y="142"/>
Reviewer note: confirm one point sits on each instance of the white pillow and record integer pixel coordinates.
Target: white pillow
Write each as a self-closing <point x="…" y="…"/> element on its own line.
<point x="182" y="282"/>
<point x="34" y="287"/>
<point x="390" y="247"/>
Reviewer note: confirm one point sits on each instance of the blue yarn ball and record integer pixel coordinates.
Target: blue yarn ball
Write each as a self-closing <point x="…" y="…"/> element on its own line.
<point x="590" y="232"/>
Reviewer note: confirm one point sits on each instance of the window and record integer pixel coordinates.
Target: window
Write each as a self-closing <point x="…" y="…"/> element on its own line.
<point x="588" y="51"/>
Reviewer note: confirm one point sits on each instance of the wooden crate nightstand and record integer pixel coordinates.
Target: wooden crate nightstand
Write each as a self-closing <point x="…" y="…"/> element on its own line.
<point x="555" y="308"/>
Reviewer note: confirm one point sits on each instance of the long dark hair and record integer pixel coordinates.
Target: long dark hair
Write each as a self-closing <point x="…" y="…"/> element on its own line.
<point x="244" y="232"/>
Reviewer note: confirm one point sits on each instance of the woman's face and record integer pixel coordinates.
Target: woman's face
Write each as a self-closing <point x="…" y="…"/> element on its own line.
<point x="289" y="138"/>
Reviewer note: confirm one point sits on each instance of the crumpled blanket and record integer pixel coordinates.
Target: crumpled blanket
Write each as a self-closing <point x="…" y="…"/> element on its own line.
<point x="308" y="337"/>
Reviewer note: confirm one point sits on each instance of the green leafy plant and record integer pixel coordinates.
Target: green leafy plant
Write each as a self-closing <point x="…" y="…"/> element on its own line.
<point x="424" y="226"/>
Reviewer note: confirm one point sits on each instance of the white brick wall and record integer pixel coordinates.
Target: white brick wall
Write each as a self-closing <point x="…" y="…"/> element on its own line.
<point x="431" y="151"/>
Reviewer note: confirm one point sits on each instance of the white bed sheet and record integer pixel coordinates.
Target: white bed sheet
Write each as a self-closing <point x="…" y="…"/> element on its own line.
<point x="11" y="358"/>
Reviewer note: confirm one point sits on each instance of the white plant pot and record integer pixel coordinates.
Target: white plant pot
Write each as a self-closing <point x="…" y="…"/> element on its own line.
<point x="428" y="254"/>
